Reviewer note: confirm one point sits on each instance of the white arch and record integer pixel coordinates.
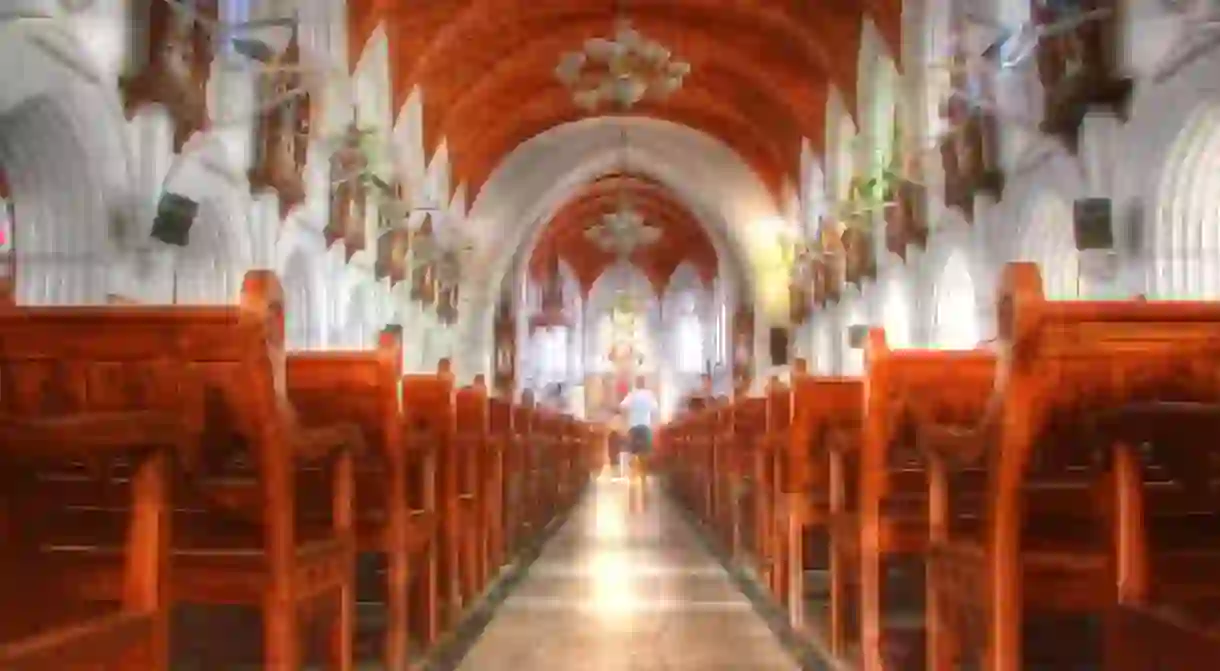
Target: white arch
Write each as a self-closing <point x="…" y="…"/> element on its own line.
<point x="896" y="312"/>
<point x="302" y="312"/>
<point x="541" y="174"/>
<point x="357" y="315"/>
<point x="739" y="213"/>
<point x="1162" y="108"/>
<point x="1048" y="240"/>
<point x="824" y="345"/>
<point x="1183" y="249"/>
<point x="955" y="309"/>
<point x="69" y="171"/>
<point x="685" y="277"/>
<point x="682" y="320"/>
<point x="221" y="247"/>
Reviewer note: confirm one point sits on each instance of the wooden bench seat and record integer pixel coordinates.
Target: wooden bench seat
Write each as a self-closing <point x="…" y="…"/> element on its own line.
<point x="430" y="421"/>
<point x="516" y="474"/>
<point x="54" y="628"/>
<point x="392" y="514"/>
<point x="739" y="479"/>
<point x="237" y="494"/>
<point x="1158" y="639"/>
<point x="471" y="444"/>
<point x="502" y="440"/>
<point x="888" y="520"/>
<point x="1067" y="368"/>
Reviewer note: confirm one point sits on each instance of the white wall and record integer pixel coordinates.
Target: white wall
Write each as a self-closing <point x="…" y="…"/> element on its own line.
<point x="85" y="180"/>
<point x="1158" y="167"/>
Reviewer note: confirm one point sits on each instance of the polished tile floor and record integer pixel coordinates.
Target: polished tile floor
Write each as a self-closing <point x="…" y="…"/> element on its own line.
<point x="626" y="590"/>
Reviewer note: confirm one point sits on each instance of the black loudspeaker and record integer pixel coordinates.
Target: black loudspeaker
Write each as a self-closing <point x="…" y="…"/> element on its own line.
<point x="779" y="346"/>
<point x="1092" y="224"/>
<point x="255" y="50"/>
<point x="857" y="335"/>
<point x="175" y="214"/>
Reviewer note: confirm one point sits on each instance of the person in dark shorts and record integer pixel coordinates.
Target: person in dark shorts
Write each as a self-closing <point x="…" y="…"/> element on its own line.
<point x="641" y="408"/>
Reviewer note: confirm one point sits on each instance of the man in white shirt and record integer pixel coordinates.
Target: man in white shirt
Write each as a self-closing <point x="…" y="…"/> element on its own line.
<point x="641" y="408"/>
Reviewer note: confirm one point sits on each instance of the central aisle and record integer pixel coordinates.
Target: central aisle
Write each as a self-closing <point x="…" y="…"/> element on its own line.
<point x="615" y="590"/>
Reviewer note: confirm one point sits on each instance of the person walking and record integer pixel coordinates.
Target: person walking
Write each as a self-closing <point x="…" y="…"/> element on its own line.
<point x="641" y="407"/>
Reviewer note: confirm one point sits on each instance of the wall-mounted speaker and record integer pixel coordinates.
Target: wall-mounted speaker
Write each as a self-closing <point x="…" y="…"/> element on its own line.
<point x="175" y="215"/>
<point x="779" y="346"/>
<point x="857" y="335"/>
<point x="255" y="50"/>
<point x="1092" y="224"/>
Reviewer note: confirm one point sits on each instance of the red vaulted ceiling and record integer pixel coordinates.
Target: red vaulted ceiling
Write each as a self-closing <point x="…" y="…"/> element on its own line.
<point x="761" y="69"/>
<point x="682" y="236"/>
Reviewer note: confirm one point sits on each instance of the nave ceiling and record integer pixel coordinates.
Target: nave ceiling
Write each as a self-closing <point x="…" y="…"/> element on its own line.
<point x="761" y="70"/>
<point x="566" y="236"/>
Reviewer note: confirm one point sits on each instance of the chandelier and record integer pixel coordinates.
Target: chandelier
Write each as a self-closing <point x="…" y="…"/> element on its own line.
<point x="620" y="71"/>
<point x="622" y="231"/>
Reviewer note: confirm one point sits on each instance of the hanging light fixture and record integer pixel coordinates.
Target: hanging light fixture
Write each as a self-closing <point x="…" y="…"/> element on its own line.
<point x="623" y="231"/>
<point x="620" y="71"/>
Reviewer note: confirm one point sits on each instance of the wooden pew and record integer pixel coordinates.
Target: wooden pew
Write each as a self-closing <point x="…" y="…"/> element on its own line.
<point x="240" y="537"/>
<point x="542" y="485"/>
<point x="471" y="443"/>
<point x="1157" y="640"/>
<point x="517" y="477"/>
<point x="723" y="491"/>
<point x="768" y="472"/>
<point x="503" y="437"/>
<point x="71" y="394"/>
<point x="749" y="426"/>
<point x="887" y="521"/>
<point x="430" y="420"/>
<point x="820" y="406"/>
<point x="829" y="416"/>
<point x="1060" y="363"/>
<point x="565" y="460"/>
<point x="394" y="518"/>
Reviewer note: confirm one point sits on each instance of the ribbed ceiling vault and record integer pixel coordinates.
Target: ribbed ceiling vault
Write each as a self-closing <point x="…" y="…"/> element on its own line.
<point x="761" y="69"/>
<point x="683" y="237"/>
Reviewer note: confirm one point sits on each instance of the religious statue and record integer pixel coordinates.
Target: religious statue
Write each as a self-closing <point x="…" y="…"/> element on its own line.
<point x="282" y="133"/>
<point x="178" y="63"/>
<point x="347" y="198"/>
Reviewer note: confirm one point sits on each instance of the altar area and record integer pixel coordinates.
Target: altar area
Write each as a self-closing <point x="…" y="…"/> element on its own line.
<point x="619" y="330"/>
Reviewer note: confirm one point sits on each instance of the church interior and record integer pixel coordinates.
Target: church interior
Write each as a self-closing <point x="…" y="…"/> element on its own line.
<point x="317" y="318"/>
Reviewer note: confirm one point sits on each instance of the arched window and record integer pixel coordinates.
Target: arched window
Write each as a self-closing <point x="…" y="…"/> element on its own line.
<point x="824" y="348"/>
<point x="897" y="313"/>
<point x="955" y="324"/>
<point x="1049" y="242"/>
<point x="722" y="330"/>
<point x="1185" y="241"/>
<point x="551" y="350"/>
<point x="688" y="339"/>
<point x="298" y="306"/>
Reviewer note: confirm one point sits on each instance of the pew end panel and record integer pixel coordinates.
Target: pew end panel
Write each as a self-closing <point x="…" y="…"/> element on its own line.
<point x="1064" y="524"/>
<point x="77" y="401"/>
<point x="429" y="423"/>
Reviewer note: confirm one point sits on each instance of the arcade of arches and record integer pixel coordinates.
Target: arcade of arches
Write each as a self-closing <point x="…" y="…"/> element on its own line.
<point x="821" y="166"/>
